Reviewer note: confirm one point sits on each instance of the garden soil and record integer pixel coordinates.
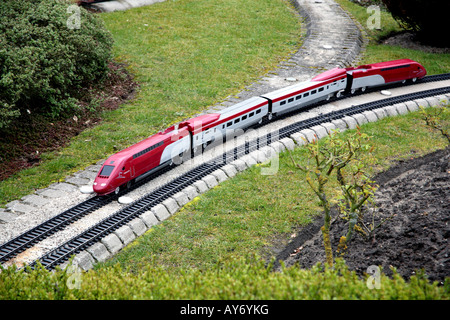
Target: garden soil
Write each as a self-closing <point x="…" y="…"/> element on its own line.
<point x="415" y="196"/>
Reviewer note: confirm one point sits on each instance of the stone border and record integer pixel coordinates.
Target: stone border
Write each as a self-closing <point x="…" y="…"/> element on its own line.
<point x="42" y="198"/>
<point x="119" y="239"/>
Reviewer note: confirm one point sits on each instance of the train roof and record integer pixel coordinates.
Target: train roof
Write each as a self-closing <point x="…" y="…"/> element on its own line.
<point x="291" y="90"/>
<point x="244" y="106"/>
<point x="386" y="64"/>
<point x="330" y="74"/>
<point x="200" y="121"/>
<point x="145" y="143"/>
<point x="141" y="145"/>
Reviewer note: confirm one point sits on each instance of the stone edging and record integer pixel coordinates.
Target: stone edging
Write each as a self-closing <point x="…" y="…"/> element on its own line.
<point x="119" y="239"/>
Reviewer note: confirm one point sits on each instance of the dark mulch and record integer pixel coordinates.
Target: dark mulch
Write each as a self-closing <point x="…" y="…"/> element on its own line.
<point x="416" y="194"/>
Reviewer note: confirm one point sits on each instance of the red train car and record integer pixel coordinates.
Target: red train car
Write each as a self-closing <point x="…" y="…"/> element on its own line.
<point x="382" y="73"/>
<point x="123" y="168"/>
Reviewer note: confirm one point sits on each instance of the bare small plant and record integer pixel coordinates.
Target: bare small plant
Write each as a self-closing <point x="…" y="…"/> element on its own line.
<point x="344" y="157"/>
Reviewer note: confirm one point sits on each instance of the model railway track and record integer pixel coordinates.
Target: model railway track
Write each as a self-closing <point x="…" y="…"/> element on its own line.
<point x="47" y="228"/>
<point x="123" y="216"/>
<point x="335" y="115"/>
<point x="29" y="238"/>
<point x="437" y="77"/>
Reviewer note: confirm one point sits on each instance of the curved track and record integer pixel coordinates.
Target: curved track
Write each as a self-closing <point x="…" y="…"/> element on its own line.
<point x="137" y="208"/>
<point x="312" y="48"/>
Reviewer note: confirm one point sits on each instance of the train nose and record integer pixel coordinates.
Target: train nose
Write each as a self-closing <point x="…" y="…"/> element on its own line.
<point x="423" y="72"/>
<point x="101" y="187"/>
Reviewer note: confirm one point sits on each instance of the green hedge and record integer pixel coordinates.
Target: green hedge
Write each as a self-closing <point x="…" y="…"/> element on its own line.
<point x="47" y="57"/>
<point x="244" y="278"/>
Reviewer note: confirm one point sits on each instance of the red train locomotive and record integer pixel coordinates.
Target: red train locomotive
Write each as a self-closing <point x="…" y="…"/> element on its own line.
<point x="167" y="147"/>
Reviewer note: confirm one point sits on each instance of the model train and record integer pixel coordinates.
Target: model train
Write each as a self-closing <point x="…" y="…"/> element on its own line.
<point x="168" y="147"/>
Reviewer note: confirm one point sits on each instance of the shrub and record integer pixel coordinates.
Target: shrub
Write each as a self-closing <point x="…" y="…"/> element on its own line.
<point x="240" y="278"/>
<point x="44" y="61"/>
<point x="428" y="18"/>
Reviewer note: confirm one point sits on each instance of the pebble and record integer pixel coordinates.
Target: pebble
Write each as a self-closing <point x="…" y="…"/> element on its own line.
<point x="125" y="200"/>
<point x="86" y="189"/>
<point x="386" y="93"/>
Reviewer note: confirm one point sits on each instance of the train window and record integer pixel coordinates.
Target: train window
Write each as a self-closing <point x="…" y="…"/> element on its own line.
<point x="283" y="102"/>
<point x="229" y="124"/>
<point x="397" y="67"/>
<point x="321" y="89"/>
<point x="314" y="92"/>
<point x="258" y="111"/>
<point x="148" y="149"/>
<point x="244" y="117"/>
<point x="106" y="171"/>
<point x="306" y="94"/>
<point x="237" y="120"/>
<point x="251" y="114"/>
<point x="223" y="126"/>
<point x="291" y="99"/>
<point x="298" y="97"/>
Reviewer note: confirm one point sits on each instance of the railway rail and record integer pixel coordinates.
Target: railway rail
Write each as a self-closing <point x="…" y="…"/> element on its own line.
<point x="108" y="225"/>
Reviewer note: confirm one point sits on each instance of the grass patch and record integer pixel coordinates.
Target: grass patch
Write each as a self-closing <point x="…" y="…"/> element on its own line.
<point x="435" y="63"/>
<point x="252" y="213"/>
<point x="186" y="55"/>
<point x="239" y="216"/>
